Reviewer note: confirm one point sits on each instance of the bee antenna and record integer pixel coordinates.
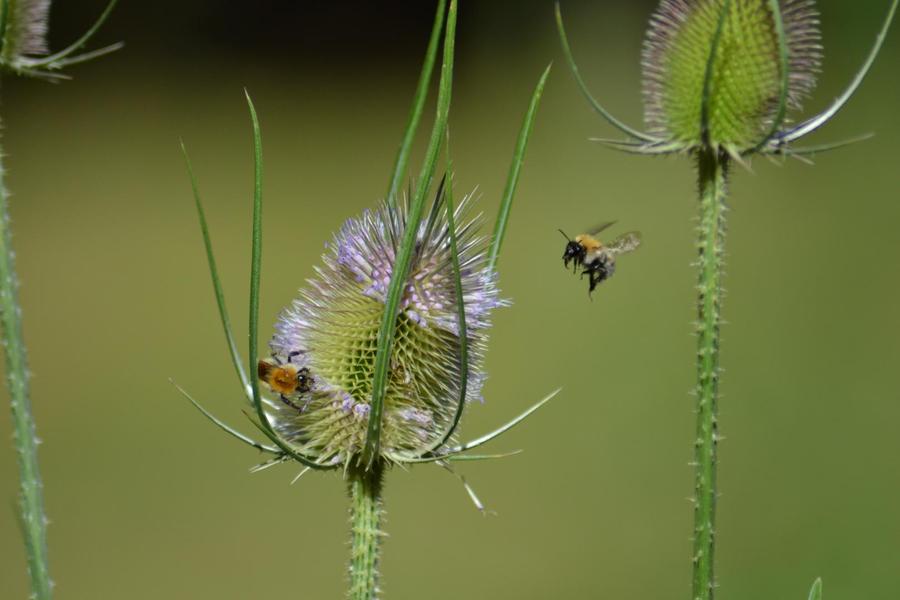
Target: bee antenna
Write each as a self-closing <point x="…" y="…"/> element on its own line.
<point x="564" y="235"/>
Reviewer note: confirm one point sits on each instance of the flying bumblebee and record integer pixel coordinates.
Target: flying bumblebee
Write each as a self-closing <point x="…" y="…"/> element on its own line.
<point x="596" y="259"/>
<point x="286" y="380"/>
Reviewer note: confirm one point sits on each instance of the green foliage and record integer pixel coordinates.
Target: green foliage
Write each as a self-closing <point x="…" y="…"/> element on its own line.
<point x="815" y="592"/>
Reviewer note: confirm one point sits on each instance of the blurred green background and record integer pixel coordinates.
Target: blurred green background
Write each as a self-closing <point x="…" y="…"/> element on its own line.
<point x="148" y="500"/>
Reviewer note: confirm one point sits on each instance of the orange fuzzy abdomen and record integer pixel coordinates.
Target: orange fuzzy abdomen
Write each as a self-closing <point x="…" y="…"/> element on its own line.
<point x="282" y="380"/>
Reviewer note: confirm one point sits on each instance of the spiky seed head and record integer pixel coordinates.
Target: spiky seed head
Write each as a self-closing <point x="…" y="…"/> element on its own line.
<point x="25" y="29"/>
<point x="746" y="73"/>
<point x="332" y="328"/>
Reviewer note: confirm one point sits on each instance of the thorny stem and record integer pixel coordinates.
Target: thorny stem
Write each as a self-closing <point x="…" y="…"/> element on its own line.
<point x="366" y="507"/>
<point x="34" y="523"/>
<point x="713" y="173"/>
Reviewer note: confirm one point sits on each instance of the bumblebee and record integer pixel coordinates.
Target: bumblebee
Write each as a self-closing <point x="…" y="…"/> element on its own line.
<point x="286" y="380"/>
<point x="596" y="259"/>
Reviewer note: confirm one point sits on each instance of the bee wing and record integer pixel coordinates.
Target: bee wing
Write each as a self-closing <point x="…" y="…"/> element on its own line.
<point x="264" y="368"/>
<point x="627" y="242"/>
<point x="593" y="231"/>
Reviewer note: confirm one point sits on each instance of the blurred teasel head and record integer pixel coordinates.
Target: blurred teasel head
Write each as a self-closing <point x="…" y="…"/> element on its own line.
<point x="745" y="69"/>
<point x="724" y="75"/>
<point x="24" y="25"/>
<point x="329" y="335"/>
<point x="23" y="40"/>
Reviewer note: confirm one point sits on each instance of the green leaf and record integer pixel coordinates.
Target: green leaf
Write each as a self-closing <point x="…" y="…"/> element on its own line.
<point x="515" y="169"/>
<point x="567" y="51"/>
<point x="415" y="112"/>
<point x="214" y="275"/>
<point x="815" y="592"/>
<point x="402" y="263"/>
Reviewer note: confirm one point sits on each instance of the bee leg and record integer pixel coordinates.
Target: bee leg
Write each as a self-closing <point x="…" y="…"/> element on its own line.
<point x="291" y="355"/>
<point x="598" y="274"/>
<point x="290" y="403"/>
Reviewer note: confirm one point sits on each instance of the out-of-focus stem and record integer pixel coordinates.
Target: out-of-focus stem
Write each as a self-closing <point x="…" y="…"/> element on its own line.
<point x="34" y="523"/>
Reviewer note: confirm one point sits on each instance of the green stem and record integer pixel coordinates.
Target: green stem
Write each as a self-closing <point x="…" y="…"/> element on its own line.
<point x="713" y="174"/>
<point x="366" y="508"/>
<point x="34" y="523"/>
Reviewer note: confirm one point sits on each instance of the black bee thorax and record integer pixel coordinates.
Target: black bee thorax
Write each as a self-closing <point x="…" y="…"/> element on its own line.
<point x="305" y="381"/>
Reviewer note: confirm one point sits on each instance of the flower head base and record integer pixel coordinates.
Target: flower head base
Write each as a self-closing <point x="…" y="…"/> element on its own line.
<point x="737" y="46"/>
<point x="332" y="328"/>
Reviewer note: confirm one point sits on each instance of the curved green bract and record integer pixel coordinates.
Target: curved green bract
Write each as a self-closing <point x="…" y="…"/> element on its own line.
<point x="598" y="108"/>
<point x="515" y="168"/>
<point x="224" y="426"/>
<point x="814" y="123"/>
<point x="255" y="268"/>
<point x="214" y="275"/>
<point x="415" y="112"/>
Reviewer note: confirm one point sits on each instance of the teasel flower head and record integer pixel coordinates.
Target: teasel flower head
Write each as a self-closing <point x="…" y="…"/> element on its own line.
<point x="725" y="76"/>
<point x="331" y="332"/>
<point x="23" y="40"/>
<point x="375" y="361"/>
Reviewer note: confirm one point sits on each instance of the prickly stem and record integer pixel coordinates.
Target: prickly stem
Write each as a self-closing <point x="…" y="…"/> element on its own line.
<point x="31" y="496"/>
<point x="713" y="173"/>
<point x="366" y="508"/>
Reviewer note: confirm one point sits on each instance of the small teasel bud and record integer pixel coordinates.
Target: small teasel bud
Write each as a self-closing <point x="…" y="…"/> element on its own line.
<point x="732" y="51"/>
<point x="331" y="330"/>
<point x="24" y="25"/>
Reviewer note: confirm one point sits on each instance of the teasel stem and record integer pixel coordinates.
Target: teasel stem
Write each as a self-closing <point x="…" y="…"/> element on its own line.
<point x="713" y="174"/>
<point x="31" y="496"/>
<point x="366" y="508"/>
